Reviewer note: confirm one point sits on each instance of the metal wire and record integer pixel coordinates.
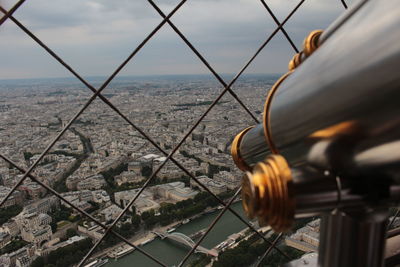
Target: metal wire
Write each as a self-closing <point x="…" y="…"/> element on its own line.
<point x="34" y="178"/>
<point x="192" y="128"/>
<point x="269" y="249"/>
<point x="210" y="227"/>
<point x="227" y="88"/>
<point x="344" y="3"/>
<point x="91" y="100"/>
<point x="278" y="23"/>
<point x="11" y="11"/>
<point x="127" y="120"/>
<point x="217" y="76"/>
<point x="394" y="218"/>
<point x="81" y="112"/>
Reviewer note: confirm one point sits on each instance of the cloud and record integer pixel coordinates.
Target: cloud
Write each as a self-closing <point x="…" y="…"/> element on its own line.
<point x="95" y="36"/>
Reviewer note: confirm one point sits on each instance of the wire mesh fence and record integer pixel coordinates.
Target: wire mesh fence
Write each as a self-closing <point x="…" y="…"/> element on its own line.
<point x="97" y="93"/>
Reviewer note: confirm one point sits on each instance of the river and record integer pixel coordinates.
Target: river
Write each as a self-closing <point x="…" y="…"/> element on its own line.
<point x="171" y="253"/>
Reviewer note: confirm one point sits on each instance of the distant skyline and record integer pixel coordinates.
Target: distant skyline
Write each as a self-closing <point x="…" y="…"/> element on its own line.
<point x="94" y="37"/>
<point x="145" y="76"/>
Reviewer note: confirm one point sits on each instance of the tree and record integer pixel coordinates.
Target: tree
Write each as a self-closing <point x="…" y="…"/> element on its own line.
<point x="60" y="214"/>
<point x="147" y="214"/>
<point x="198" y="173"/>
<point x="147" y="171"/>
<point x="71" y="232"/>
<point x="13" y="246"/>
<point x="68" y="255"/>
<point x="135" y="221"/>
<point x="53" y="226"/>
<point x="27" y="155"/>
<point x="133" y="208"/>
<point x="95" y="206"/>
<point x="149" y="218"/>
<point x="9" y="212"/>
<point x="167" y="208"/>
<point x="202" y="260"/>
<point x="38" y="262"/>
<point x="112" y="172"/>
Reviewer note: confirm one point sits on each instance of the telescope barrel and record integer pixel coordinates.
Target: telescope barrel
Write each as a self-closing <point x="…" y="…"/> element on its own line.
<point x="276" y="193"/>
<point x="348" y="89"/>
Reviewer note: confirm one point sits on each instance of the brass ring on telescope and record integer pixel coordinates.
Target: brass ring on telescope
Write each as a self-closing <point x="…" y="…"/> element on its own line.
<point x="266" y="115"/>
<point x="311" y="42"/>
<point x="267" y="195"/>
<point x="296" y="61"/>
<point x="235" y="150"/>
<point x="249" y="197"/>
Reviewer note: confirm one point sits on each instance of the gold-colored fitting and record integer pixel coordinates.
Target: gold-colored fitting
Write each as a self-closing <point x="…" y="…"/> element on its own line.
<point x="296" y="61"/>
<point x="266" y="193"/>
<point x="311" y="42"/>
<point x="235" y="150"/>
<point x="309" y="46"/>
<point x="266" y="114"/>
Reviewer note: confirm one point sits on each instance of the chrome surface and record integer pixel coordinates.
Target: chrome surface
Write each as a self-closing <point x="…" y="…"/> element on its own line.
<point x="339" y="112"/>
<point x="356" y="240"/>
<point x="253" y="147"/>
<point x="353" y="77"/>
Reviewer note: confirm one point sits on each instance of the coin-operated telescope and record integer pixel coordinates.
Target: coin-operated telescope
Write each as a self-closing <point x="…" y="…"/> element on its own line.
<point x="329" y="143"/>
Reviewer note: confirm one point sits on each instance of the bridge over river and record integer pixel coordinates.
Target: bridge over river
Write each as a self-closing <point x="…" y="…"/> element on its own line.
<point x="187" y="241"/>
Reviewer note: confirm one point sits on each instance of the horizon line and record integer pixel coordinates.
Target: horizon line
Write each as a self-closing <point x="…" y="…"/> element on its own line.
<point x="133" y="76"/>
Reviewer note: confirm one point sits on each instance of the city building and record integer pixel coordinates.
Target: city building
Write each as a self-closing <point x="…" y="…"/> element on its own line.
<point x="11" y="227"/>
<point x="110" y="213"/>
<point x="129" y="177"/>
<point x="176" y="191"/>
<point x="37" y="236"/>
<point x="72" y="181"/>
<point x="143" y="203"/>
<point x="32" y="220"/>
<point x="214" y="186"/>
<point x="44" y="251"/>
<point x="305" y="238"/>
<point x="91" y="230"/>
<point x="43" y="205"/>
<point x="16" y="197"/>
<point x="33" y="190"/>
<point x="5" y="238"/>
<point x="23" y="256"/>
<point x="91" y="183"/>
<point x="229" y="179"/>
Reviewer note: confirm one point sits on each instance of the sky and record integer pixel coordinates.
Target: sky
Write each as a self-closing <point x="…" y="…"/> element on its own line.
<point x="94" y="37"/>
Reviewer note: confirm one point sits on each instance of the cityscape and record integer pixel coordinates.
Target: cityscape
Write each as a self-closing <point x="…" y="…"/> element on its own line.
<point x="101" y="163"/>
<point x="126" y="133"/>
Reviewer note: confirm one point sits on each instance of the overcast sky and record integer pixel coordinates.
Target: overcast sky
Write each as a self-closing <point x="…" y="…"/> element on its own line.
<point x="94" y="37"/>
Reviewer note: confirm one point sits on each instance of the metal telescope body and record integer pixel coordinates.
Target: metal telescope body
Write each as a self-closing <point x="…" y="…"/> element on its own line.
<point x="352" y="79"/>
<point x="330" y="139"/>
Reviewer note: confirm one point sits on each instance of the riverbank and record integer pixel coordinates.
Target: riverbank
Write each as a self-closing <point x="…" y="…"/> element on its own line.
<point x="143" y="237"/>
<point x="137" y="240"/>
<point x="171" y="253"/>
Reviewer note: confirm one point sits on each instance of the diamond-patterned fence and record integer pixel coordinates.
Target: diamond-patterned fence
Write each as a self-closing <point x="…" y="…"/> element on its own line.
<point x="97" y="93"/>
